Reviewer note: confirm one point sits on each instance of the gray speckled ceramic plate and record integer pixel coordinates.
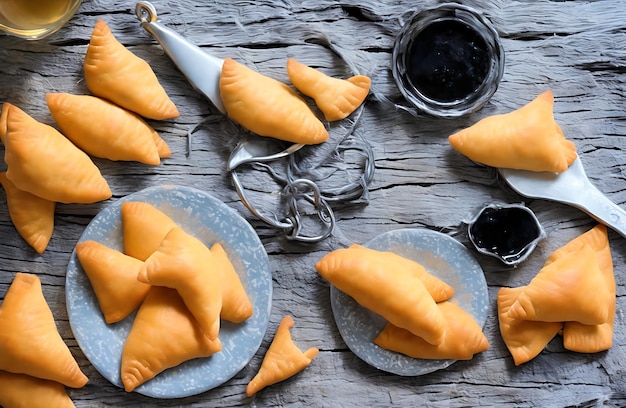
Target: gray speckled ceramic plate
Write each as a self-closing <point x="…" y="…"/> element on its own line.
<point x="209" y="220"/>
<point x="442" y="256"/>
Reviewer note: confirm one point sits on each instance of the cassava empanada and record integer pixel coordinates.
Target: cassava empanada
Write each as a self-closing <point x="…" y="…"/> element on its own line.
<point x="24" y="391"/>
<point x="32" y="216"/>
<point x="103" y="129"/>
<point x="113" y="72"/>
<point x="29" y="339"/>
<point x="386" y="288"/>
<point x="236" y="305"/>
<point x="463" y="337"/>
<point x="144" y="227"/>
<point x="113" y="277"/>
<point x="184" y="263"/>
<point x="336" y="98"/>
<point x="164" y="335"/>
<point x="45" y="163"/>
<point x="525" y="139"/>
<point x="268" y="107"/>
<point x="282" y="360"/>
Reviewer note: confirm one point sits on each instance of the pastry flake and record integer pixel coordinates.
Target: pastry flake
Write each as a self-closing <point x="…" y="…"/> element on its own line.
<point x="163" y="335"/>
<point x="113" y="72"/>
<point x="45" y="163"/>
<point x="102" y="129"/>
<point x="525" y="139"/>
<point x="29" y="339"/>
<point x="283" y="359"/>
<point x="267" y="107"/>
<point x="236" y="305"/>
<point x="113" y="277"/>
<point x="144" y="227"/>
<point x="32" y="216"/>
<point x="337" y="98"/>
<point x="21" y="390"/>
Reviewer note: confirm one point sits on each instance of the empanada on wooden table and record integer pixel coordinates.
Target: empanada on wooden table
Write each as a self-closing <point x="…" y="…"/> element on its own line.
<point x="268" y="107"/>
<point x="386" y="288"/>
<point x="103" y="129"/>
<point x="144" y="227"/>
<point x="282" y="360"/>
<point x="113" y="72"/>
<point x="29" y="340"/>
<point x="32" y="216"/>
<point x="337" y="98"/>
<point x="45" y="163"/>
<point x="463" y="337"/>
<point x="113" y="277"/>
<point x="24" y="391"/>
<point x="525" y="139"/>
<point x="184" y="263"/>
<point x="163" y="335"/>
<point x="236" y="305"/>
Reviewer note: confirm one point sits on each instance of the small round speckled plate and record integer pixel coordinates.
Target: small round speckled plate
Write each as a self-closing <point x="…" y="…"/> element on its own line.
<point x="442" y="256"/>
<point x="209" y="220"/>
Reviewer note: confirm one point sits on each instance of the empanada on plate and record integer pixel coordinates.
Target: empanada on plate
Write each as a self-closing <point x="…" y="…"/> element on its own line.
<point x="45" y="163"/>
<point x="386" y="288"/>
<point x="184" y="263"/>
<point x="24" y="391"/>
<point x="525" y="339"/>
<point x="144" y="227"/>
<point x="113" y="72"/>
<point x="29" y="339"/>
<point x="164" y="335"/>
<point x="525" y="139"/>
<point x="113" y="277"/>
<point x="236" y="305"/>
<point x="268" y="107"/>
<point x="103" y="129"/>
<point x="282" y="360"/>
<point x="32" y="216"/>
<point x="463" y="337"/>
<point x="337" y="98"/>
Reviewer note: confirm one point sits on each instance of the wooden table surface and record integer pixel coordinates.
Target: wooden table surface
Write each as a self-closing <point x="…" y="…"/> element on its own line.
<point x="577" y="49"/>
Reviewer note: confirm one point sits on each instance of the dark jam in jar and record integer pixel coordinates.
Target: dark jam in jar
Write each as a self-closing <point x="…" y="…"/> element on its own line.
<point x="447" y="60"/>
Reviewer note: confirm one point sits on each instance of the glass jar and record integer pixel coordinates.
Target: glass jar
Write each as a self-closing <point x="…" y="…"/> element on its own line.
<point x="448" y="60"/>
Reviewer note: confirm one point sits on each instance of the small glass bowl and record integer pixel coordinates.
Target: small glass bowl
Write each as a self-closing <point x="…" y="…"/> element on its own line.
<point x="509" y="232"/>
<point x="482" y="27"/>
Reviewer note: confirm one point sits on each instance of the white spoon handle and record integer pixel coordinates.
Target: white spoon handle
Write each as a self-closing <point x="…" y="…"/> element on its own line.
<point x="594" y="202"/>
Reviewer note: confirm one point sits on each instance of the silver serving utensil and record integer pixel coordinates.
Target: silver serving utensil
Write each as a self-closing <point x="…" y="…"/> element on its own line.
<point x="570" y="187"/>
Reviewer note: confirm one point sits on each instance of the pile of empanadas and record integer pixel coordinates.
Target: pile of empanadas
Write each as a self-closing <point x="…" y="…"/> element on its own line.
<point x="180" y="287"/>
<point x="525" y="139"/>
<point x="423" y="321"/>
<point x="573" y="294"/>
<point x="271" y="108"/>
<point x="35" y="364"/>
<point x="46" y="166"/>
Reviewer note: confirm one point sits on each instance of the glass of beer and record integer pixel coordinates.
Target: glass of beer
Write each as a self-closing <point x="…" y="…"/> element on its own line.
<point x="35" y="19"/>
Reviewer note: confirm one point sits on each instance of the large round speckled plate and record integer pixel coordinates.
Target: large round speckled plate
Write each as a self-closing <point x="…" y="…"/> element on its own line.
<point x="443" y="257"/>
<point x="209" y="220"/>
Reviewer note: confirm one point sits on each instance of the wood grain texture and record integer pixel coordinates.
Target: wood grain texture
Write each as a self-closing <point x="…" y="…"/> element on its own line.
<point x="575" y="48"/>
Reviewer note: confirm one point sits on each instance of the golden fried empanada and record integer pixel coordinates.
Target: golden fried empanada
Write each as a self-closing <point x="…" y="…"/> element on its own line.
<point x="29" y="339"/>
<point x="282" y="360"/>
<point x="4" y="113"/>
<point x="386" y="288"/>
<point x="144" y="227"/>
<point x="164" y="335"/>
<point x="113" y="277"/>
<point x="24" y="391"/>
<point x="184" y="263"/>
<point x="236" y="305"/>
<point x="32" y="216"/>
<point x="336" y="98"/>
<point x="525" y="339"/>
<point x="103" y="129"/>
<point x="463" y="337"/>
<point x="572" y="288"/>
<point x="525" y="139"/>
<point x="268" y="107"/>
<point x="45" y="163"/>
<point x="113" y="72"/>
